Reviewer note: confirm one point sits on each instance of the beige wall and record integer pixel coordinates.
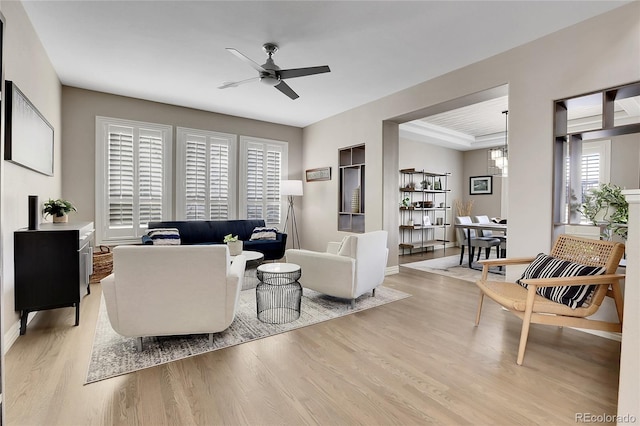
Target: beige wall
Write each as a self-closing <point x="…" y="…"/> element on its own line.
<point x="625" y="166"/>
<point x="475" y="164"/>
<point x="28" y="66"/>
<point x="80" y="108"/>
<point x="598" y="53"/>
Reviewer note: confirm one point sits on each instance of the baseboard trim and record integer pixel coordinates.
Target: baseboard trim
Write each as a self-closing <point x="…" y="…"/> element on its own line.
<point x="12" y="334"/>
<point x="391" y="270"/>
<point x="606" y="334"/>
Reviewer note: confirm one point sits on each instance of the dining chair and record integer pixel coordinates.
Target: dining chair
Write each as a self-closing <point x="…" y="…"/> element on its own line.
<point x="484" y="219"/>
<point x="472" y="240"/>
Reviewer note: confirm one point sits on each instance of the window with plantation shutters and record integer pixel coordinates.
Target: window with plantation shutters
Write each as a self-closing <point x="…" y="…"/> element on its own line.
<point x="206" y="165"/>
<point x="594" y="168"/>
<point x="263" y="165"/>
<point x="133" y="178"/>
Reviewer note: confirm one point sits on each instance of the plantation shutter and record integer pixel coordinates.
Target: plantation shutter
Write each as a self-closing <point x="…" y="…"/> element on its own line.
<point x="150" y="176"/>
<point x="133" y="176"/>
<point x="264" y="170"/>
<point x="590" y="171"/>
<point x="120" y="177"/>
<point x="205" y="187"/>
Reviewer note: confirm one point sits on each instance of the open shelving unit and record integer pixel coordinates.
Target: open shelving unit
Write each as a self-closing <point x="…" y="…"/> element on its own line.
<point x="352" y="189"/>
<point x="424" y="211"/>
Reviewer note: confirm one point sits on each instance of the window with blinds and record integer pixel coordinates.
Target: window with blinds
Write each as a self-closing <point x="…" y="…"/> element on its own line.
<point x="263" y="166"/>
<point x="206" y="165"/>
<point x="133" y="177"/>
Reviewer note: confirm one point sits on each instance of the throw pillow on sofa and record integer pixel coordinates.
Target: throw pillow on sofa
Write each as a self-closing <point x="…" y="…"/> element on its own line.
<point x="164" y="236"/>
<point x="550" y="267"/>
<point x="263" y="233"/>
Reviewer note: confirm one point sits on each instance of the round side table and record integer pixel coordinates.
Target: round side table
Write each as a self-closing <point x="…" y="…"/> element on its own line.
<point x="278" y="294"/>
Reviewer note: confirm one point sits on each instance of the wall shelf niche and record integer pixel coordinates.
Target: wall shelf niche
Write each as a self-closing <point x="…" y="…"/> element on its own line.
<point x="352" y="189"/>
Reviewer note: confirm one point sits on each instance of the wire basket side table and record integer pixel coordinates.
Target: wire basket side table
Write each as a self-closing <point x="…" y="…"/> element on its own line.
<point x="278" y="293"/>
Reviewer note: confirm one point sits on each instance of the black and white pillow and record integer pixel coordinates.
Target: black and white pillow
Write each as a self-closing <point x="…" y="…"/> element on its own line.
<point x="164" y="236"/>
<point x="263" y="233"/>
<point x="545" y="266"/>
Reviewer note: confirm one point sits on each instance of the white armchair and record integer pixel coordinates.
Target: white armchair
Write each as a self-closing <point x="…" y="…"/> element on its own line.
<point x="172" y="290"/>
<point x="348" y="269"/>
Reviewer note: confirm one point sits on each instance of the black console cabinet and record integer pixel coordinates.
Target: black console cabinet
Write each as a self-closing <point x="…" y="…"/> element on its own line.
<point x="52" y="267"/>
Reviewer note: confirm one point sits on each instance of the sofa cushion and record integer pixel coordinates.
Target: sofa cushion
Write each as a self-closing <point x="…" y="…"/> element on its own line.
<point x="545" y="266"/>
<point x="263" y="233"/>
<point x="164" y="236"/>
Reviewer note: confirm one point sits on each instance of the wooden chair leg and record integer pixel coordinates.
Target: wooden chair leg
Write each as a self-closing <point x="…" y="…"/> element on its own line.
<point x="526" y="322"/>
<point x="617" y="298"/>
<point x="479" y="308"/>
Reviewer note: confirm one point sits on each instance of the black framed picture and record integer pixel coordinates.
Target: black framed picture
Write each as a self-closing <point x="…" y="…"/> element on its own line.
<point x="480" y="185"/>
<point x="28" y="138"/>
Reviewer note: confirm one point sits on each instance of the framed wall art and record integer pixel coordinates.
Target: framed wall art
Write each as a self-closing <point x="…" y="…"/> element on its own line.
<point x="322" y="173"/>
<point x="480" y="185"/>
<point x="28" y="139"/>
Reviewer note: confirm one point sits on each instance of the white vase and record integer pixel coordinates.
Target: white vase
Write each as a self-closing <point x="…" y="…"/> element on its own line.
<point x="60" y="219"/>
<point x="235" y="247"/>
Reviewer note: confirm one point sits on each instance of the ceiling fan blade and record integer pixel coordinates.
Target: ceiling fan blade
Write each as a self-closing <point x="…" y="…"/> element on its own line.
<point x="301" y="72"/>
<point x="227" y="84"/>
<point x="284" y="88"/>
<point x="239" y="55"/>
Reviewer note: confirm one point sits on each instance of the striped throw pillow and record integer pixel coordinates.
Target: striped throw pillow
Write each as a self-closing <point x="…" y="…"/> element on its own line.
<point x="545" y="266"/>
<point x="263" y="233"/>
<point x="164" y="236"/>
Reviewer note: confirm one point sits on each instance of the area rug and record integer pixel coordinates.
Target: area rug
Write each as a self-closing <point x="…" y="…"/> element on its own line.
<point x="114" y="355"/>
<point x="450" y="266"/>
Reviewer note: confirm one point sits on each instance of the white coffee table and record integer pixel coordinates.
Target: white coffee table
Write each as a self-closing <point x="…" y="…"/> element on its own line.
<point x="254" y="259"/>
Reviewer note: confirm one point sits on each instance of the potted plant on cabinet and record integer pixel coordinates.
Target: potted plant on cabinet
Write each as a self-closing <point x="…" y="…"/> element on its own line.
<point x="605" y="206"/>
<point x="235" y="245"/>
<point x="58" y="209"/>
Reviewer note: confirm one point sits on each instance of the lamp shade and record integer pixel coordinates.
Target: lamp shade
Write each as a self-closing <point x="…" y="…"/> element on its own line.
<point x="291" y="187"/>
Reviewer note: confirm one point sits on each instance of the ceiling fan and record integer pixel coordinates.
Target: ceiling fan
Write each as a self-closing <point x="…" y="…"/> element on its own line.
<point x="271" y="74"/>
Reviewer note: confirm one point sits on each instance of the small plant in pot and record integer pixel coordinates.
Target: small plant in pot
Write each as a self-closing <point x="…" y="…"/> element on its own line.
<point x="58" y="209"/>
<point x="235" y="245"/>
<point x="605" y="206"/>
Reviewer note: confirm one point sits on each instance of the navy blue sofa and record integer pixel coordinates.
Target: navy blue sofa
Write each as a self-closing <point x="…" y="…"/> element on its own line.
<point x="213" y="232"/>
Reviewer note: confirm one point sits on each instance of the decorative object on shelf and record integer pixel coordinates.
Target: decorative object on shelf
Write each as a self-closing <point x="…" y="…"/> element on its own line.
<point x="355" y="200"/>
<point x="410" y="222"/>
<point x="425" y="184"/>
<point x="411" y="185"/>
<point x="426" y="221"/>
<point x="498" y="158"/>
<point x="58" y="209"/>
<point x="235" y="245"/>
<point x="437" y="185"/>
<point x="291" y="188"/>
<point x="321" y="173"/>
<point x="464" y="208"/>
<point x="481" y="185"/>
<point x="33" y="212"/>
<point x="28" y="139"/>
<point x="406" y="202"/>
<point x="439" y="221"/>
<point x="605" y="206"/>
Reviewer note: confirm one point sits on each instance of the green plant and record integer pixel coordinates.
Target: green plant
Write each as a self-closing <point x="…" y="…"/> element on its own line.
<point x="606" y="206"/>
<point x="406" y="202"/>
<point x="58" y="207"/>
<point x="230" y="238"/>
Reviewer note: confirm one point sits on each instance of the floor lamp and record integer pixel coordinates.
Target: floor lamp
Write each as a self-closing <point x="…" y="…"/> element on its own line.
<point x="291" y="188"/>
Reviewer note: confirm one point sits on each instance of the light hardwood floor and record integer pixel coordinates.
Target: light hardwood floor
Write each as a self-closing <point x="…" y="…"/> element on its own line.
<point x="416" y="361"/>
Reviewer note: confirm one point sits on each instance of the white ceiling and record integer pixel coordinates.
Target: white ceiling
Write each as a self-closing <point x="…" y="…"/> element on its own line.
<point x="174" y="51"/>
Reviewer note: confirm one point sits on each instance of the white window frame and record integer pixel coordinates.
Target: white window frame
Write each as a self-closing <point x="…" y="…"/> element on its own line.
<point x="122" y="236"/>
<point x="245" y="143"/>
<point x="211" y="137"/>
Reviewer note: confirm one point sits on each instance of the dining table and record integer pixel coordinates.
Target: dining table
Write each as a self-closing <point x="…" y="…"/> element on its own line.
<point x="467" y="227"/>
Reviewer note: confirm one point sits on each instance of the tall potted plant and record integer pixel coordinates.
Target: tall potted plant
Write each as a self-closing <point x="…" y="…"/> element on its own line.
<point x="58" y="209"/>
<point x="605" y="206"/>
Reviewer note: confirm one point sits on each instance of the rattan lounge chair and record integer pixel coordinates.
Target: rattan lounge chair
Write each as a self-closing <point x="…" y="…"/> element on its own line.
<point x="534" y="308"/>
